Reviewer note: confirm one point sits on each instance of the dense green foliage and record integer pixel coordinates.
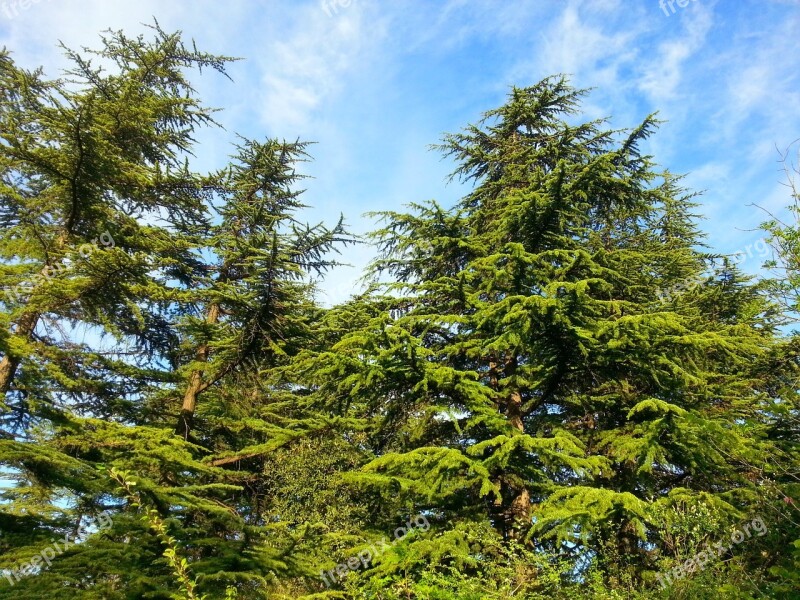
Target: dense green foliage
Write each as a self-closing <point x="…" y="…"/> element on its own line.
<point x="551" y="389"/>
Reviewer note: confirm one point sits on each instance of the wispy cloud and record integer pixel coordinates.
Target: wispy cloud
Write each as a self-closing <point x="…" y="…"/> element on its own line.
<point x="306" y="62"/>
<point x="664" y="71"/>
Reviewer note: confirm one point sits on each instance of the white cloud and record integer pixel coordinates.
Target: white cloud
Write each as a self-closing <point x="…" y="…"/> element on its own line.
<point x="663" y="74"/>
<point x="307" y="62"/>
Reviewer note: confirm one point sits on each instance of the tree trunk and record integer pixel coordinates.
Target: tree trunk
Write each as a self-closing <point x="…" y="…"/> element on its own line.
<point x="25" y="328"/>
<point x="8" y="366"/>
<point x="196" y="385"/>
<point x="514" y="411"/>
<point x="519" y="511"/>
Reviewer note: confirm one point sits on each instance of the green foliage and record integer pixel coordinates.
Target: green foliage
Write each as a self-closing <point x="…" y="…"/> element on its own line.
<point x="524" y="365"/>
<point x="550" y="373"/>
<point x="99" y="350"/>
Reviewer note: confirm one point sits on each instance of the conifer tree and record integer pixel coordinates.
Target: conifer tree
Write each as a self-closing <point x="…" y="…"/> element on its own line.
<point x="555" y="375"/>
<point x="96" y="197"/>
<point x="99" y="350"/>
<point x="87" y="163"/>
<point x="527" y="367"/>
<point x="253" y="300"/>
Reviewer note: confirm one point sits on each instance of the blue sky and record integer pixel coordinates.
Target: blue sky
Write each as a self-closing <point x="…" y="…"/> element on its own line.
<point x="374" y="83"/>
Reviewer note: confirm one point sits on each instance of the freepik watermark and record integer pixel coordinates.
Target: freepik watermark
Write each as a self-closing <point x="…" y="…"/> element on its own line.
<point x="18" y="292"/>
<point x="364" y="558"/>
<point x="703" y="557"/>
<point x="671" y="4"/>
<point x="331" y="7"/>
<point x="11" y="9"/>
<point x="761" y="247"/>
<point x="46" y="556"/>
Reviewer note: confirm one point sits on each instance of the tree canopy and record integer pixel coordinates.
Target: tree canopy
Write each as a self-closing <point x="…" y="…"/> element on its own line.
<point x="552" y="388"/>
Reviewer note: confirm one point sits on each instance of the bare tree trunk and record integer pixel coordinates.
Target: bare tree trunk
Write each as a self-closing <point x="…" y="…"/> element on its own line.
<point x="196" y="384"/>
